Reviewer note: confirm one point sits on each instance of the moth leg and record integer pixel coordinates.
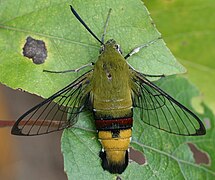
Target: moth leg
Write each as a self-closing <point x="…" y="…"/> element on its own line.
<point x="153" y="75"/>
<point x="71" y="70"/>
<point x="148" y="75"/>
<point x="137" y="49"/>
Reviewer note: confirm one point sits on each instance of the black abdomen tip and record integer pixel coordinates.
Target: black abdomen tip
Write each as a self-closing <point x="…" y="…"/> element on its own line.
<point x="114" y="167"/>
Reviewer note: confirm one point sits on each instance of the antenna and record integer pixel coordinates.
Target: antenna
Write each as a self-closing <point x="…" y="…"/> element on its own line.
<point x="106" y="25"/>
<point x="83" y="23"/>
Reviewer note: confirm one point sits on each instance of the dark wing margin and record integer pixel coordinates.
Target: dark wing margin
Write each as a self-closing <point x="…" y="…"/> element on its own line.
<point x="158" y="109"/>
<point x="58" y="112"/>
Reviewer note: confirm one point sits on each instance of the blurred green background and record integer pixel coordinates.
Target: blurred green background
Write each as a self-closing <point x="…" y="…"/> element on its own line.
<point x="188" y="28"/>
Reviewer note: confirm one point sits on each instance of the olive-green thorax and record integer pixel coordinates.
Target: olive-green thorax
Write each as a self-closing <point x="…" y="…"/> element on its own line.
<point x="111" y="83"/>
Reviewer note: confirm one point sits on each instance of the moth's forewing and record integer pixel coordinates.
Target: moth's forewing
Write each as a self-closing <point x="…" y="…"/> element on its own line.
<point x="58" y="111"/>
<point x="158" y="109"/>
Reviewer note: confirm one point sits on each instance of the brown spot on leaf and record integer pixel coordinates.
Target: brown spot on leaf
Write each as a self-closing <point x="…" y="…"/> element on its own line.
<point x="199" y="156"/>
<point x="137" y="156"/>
<point x="35" y="50"/>
<point x="184" y="43"/>
<point x="207" y="123"/>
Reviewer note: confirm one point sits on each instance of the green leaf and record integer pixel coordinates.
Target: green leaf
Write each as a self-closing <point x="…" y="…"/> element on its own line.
<point x="69" y="45"/>
<point x="188" y="28"/>
<point x="167" y="156"/>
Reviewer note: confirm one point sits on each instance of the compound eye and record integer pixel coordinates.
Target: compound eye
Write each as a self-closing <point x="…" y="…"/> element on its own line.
<point x="117" y="47"/>
<point x="102" y="49"/>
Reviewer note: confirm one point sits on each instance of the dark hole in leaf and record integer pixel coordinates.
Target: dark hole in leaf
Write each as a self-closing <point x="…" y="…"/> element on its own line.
<point x="20" y="89"/>
<point x="137" y="156"/>
<point x="35" y="50"/>
<point x="199" y="156"/>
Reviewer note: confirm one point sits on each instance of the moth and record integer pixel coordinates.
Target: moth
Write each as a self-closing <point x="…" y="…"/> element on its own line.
<point x="110" y="91"/>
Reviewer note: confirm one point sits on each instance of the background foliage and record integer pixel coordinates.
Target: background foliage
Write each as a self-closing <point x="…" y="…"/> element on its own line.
<point x="188" y="28"/>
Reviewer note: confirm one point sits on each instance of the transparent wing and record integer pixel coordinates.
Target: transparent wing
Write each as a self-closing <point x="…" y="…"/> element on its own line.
<point x="57" y="112"/>
<point x="160" y="110"/>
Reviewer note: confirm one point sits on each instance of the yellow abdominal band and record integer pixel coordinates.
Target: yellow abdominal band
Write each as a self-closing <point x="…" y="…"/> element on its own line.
<point x="115" y="147"/>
